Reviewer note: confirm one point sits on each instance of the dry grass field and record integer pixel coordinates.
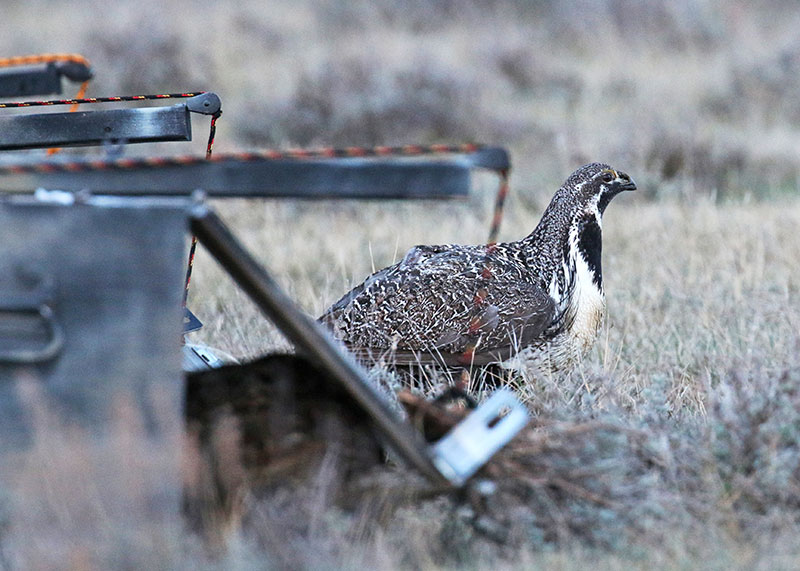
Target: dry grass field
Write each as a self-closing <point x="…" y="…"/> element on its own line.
<point x="690" y="401"/>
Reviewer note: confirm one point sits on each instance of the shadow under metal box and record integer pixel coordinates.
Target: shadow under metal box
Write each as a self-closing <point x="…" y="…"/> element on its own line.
<point x="90" y="314"/>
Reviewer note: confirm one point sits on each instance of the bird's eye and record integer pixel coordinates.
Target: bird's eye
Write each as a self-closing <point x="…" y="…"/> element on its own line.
<point x="607" y="177"/>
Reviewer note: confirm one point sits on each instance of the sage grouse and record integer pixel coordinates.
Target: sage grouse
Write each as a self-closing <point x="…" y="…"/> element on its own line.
<point x="540" y="297"/>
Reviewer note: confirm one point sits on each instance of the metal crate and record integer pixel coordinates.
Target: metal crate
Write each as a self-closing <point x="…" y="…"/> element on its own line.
<point x="91" y="320"/>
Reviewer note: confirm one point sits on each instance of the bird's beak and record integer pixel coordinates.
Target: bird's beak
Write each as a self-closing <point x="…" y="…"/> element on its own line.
<point x="627" y="182"/>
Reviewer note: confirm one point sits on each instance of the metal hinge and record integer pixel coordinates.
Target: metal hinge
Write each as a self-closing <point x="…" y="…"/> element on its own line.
<point x="473" y="441"/>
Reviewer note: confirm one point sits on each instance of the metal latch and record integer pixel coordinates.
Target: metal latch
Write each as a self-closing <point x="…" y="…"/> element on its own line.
<point x="473" y="441"/>
<point x="29" y="330"/>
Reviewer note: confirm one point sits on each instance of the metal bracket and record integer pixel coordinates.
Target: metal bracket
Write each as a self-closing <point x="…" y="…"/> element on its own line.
<point x="190" y="321"/>
<point x="205" y="104"/>
<point x="75" y="71"/>
<point x="470" y="444"/>
<point x="199" y="358"/>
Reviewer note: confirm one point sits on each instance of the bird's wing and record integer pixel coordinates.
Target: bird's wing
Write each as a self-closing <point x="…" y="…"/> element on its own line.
<point x="439" y="304"/>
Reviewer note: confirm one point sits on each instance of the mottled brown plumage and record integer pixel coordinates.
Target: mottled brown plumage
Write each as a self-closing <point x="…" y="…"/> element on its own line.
<point x="462" y="305"/>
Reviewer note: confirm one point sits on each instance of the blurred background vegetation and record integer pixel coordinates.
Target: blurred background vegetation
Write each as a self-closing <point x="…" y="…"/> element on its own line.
<point x="694" y="96"/>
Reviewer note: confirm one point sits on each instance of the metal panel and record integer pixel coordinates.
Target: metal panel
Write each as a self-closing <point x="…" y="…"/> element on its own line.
<point x="99" y="419"/>
<point x="339" y="178"/>
<point x="111" y="277"/>
<point x="42" y="130"/>
<point x="32" y="81"/>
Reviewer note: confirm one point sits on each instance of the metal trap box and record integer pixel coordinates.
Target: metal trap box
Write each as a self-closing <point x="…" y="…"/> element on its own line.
<point x="90" y="340"/>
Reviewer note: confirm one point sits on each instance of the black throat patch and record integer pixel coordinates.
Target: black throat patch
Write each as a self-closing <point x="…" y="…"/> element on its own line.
<point x="590" y="245"/>
<point x="605" y="198"/>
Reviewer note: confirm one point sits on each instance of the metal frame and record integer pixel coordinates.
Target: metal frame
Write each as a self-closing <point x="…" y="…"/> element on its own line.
<point x="255" y="176"/>
<point x="41" y="79"/>
<point x="84" y="128"/>
<point x="112" y="126"/>
<point x="449" y="464"/>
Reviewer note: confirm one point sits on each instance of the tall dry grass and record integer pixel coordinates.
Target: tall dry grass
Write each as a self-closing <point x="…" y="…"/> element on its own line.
<point x="698" y="357"/>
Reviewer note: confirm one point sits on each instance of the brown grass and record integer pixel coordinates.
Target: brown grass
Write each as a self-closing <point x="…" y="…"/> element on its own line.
<point x="695" y="376"/>
<point x="698" y="356"/>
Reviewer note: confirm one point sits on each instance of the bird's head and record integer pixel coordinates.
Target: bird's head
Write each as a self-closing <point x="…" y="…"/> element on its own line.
<point x="596" y="184"/>
<point x="577" y="208"/>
